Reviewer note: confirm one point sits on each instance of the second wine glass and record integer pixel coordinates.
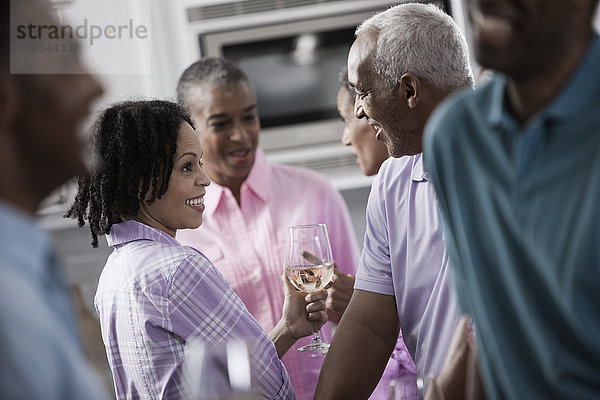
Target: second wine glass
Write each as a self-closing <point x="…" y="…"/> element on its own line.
<point x="218" y="371"/>
<point x="309" y="267"/>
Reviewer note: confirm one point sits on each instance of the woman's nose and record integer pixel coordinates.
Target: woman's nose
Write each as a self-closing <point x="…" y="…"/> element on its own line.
<point x="346" y="137"/>
<point x="202" y="179"/>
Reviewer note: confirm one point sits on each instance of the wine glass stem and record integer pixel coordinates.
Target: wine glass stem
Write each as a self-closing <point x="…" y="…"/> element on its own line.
<point x="315" y="336"/>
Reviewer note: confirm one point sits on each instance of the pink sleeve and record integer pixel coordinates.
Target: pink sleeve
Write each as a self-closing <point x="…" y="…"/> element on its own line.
<point x="341" y="231"/>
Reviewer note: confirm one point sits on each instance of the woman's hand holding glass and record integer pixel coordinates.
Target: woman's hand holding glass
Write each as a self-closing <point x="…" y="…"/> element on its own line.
<point x="301" y="310"/>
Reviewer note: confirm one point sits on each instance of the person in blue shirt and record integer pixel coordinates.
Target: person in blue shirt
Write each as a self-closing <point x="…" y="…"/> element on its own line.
<point x="40" y="149"/>
<point x="516" y="168"/>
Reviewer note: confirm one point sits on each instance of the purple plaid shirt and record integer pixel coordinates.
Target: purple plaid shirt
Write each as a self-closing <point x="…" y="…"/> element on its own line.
<point x="154" y="295"/>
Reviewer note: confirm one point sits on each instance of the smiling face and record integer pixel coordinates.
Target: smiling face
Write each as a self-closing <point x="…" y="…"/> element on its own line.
<point x="395" y="123"/>
<point x="361" y="136"/>
<point x="227" y="121"/>
<point x="182" y="205"/>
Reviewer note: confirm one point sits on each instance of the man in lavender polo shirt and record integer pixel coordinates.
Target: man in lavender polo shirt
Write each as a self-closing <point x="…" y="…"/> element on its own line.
<point x="403" y="270"/>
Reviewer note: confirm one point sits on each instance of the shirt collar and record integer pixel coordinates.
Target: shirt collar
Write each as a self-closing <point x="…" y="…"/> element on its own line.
<point x="260" y="176"/>
<point x="22" y="239"/>
<point x="579" y="92"/>
<point x="419" y="174"/>
<point x="498" y="88"/>
<point x="130" y="231"/>
<point x="257" y="181"/>
<point x="213" y="197"/>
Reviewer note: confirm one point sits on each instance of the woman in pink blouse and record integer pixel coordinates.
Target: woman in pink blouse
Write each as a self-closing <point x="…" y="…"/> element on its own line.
<point x="155" y="295"/>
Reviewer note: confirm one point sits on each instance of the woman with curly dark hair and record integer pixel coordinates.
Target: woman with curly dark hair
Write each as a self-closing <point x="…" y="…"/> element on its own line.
<point x="155" y="295"/>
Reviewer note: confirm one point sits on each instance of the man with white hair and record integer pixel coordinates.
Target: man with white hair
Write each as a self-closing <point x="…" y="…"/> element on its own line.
<point x="403" y="62"/>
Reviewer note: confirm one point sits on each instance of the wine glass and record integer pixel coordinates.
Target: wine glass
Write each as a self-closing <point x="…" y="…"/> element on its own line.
<point x="309" y="267"/>
<point x="220" y="371"/>
<point x="404" y="388"/>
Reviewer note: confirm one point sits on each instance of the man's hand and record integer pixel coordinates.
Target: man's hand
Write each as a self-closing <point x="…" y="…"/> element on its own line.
<point x="459" y="377"/>
<point x="340" y="292"/>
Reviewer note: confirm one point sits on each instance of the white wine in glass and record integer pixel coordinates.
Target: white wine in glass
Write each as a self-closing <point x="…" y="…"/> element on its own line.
<point x="309" y="267"/>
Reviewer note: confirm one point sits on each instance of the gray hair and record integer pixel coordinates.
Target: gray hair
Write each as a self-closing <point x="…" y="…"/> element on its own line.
<point x="213" y="70"/>
<point x="423" y="40"/>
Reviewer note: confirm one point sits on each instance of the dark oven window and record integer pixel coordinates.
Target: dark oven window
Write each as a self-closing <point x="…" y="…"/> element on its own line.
<point x="296" y="77"/>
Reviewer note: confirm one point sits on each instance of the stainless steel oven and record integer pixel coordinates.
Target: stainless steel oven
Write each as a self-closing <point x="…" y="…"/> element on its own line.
<point x="292" y="51"/>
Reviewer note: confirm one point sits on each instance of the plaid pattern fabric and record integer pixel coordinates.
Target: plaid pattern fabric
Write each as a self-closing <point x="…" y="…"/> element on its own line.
<point x="154" y="295"/>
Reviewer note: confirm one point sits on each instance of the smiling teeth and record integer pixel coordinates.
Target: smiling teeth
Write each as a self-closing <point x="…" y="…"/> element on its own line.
<point x="195" y="202"/>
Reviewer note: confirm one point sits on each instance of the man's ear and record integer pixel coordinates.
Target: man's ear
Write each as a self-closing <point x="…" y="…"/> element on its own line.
<point x="410" y="89"/>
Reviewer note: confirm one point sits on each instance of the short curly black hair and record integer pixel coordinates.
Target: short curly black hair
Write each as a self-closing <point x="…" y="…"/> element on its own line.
<point x="136" y="142"/>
